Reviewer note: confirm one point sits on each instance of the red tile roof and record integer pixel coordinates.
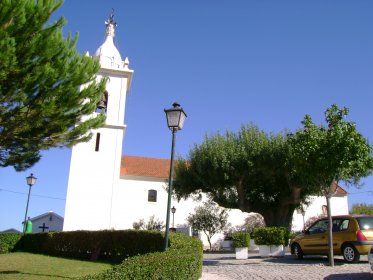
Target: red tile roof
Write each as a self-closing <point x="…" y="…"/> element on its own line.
<point x="144" y="166"/>
<point x="160" y="168"/>
<point x="340" y="190"/>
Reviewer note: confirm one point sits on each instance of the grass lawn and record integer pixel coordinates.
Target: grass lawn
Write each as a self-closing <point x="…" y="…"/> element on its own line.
<point x="32" y="266"/>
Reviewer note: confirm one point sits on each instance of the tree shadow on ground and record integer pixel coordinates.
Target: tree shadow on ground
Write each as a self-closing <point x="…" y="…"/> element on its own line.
<point x="350" y="276"/>
<point x="210" y="263"/>
<point x="311" y="259"/>
<point x="224" y="260"/>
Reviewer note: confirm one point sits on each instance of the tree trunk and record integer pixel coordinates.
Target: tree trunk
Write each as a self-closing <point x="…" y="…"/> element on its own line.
<point x="330" y="226"/>
<point x="280" y="216"/>
<point x="209" y="240"/>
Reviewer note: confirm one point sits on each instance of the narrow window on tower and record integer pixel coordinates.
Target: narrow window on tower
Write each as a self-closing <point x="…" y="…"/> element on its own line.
<point x="97" y="148"/>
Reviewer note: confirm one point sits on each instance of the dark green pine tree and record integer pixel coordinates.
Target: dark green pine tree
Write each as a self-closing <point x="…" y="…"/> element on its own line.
<point x="41" y="104"/>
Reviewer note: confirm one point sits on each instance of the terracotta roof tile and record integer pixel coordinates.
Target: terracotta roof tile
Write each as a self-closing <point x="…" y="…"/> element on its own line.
<point x="340" y="190"/>
<point x="145" y="166"/>
<point x="160" y="168"/>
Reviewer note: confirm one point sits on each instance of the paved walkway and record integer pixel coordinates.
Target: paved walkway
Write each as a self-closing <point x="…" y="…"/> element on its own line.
<point x="225" y="267"/>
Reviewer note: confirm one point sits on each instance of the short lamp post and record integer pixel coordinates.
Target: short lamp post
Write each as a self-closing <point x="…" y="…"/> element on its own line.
<point x="175" y="121"/>
<point x="303" y="212"/>
<point x="173" y="210"/>
<point x="31" y="180"/>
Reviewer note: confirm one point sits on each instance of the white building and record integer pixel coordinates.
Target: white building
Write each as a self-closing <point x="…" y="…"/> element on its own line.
<point x="107" y="190"/>
<point x="317" y="207"/>
<point x="47" y="222"/>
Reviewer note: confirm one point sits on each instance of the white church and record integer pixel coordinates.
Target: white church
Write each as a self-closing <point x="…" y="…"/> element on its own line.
<point x="108" y="190"/>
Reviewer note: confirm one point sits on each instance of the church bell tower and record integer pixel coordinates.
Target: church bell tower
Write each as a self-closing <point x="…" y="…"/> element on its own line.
<point x="95" y="165"/>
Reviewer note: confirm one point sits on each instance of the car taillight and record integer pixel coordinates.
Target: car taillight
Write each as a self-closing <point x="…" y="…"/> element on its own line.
<point x="360" y="236"/>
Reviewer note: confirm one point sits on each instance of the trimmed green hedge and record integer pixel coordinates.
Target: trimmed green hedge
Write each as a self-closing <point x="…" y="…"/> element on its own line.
<point x="241" y="239"/>
<point x="8" y="242"/>
<point x="104" y="245"/>
<point x="271" y="236"/>
<point x="141" y="251"/>
<point x="182" y="261"/>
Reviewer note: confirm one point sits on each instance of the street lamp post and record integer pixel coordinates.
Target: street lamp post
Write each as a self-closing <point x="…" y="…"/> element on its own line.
<point x="31" y="180"/>
<point x="173" y="210"/>
<point x="175" y="121"/>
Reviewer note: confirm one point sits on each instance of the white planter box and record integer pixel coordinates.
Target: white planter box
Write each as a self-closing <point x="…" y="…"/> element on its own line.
<point x="277" y="250"/>
<point x="242" y="253"/>
<point x="253" y="246"/>
<point x="271" y="251"/>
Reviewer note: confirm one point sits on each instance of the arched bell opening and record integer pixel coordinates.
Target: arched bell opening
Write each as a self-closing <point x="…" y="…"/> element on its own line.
<point x="102" y="104"/>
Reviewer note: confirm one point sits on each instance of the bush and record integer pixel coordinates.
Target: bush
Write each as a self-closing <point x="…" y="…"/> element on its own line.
<point x="105" y="245"/>
<point x="183" y="261"/>
<point x="241" y="239"/>
<point x="271" y="236"/>
<point x="9" y="241"/>
<point x="139" y="249"/>
<point x="152" y="224"/>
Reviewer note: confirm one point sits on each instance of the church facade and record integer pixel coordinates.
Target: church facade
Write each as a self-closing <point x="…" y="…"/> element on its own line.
<point x="107" y="190"/>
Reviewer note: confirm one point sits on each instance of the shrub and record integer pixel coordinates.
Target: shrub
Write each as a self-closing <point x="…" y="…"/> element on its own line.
<point x="105" y="245"/>
<point x="139" y="249"/>
<point x="183" y="260"/>
<point x="9" y="241"/>
<point x="152" y="224"/>
<point x="241" y="239"/>
<point x="251" y="222"/>
<point x="209" y="218"/>
<point x="271" y="236"/>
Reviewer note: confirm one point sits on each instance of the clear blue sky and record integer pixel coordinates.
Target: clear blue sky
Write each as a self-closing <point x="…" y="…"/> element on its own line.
<point x="227" y="63"/>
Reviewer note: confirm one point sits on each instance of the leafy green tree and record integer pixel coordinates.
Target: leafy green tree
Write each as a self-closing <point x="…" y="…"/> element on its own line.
<point x="329" y="154"/>
<point x="249" y="170"/>
<point x="362" y="208"/>
<point x="210" y="219"/>
<point x="41" y="104"/>
<point x="274" y="174"/>
<point x="152" y="224"/>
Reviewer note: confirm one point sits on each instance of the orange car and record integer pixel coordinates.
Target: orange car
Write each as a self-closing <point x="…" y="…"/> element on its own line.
<point x="352" y="237"/>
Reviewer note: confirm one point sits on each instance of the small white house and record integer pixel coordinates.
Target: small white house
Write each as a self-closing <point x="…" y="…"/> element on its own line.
<point x="47" y="222"/>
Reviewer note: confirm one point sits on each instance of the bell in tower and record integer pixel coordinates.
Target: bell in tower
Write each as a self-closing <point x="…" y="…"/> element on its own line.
<point x="102" y="104"/>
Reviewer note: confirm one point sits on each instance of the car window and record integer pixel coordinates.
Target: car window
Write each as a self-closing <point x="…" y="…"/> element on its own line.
<point x="336" y="225"/>
<point x="318" y="227"/>
<point x="344" y="224"/>
<point x="365" y="223"/>
<point x="340" y="225"/>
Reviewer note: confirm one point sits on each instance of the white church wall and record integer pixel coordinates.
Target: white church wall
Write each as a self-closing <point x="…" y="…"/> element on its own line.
<point x="90" y="187"/>
<point x="131" y="204"/>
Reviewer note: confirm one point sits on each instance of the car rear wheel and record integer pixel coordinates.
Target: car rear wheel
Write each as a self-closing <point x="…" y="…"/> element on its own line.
<point x="350" y="254"/>
<point x="297" y="251"/>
